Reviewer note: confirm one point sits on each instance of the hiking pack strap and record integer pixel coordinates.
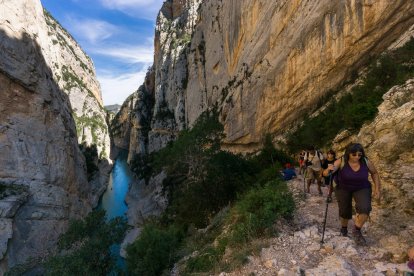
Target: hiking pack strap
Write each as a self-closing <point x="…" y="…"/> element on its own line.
<point x="343" y="162"/>
<point x="317" y="153"/>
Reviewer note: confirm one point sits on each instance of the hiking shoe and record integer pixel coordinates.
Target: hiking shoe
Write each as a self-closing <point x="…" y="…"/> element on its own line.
<point x="359" y="239"/>
<point x="329" y="199"/>
<point x="344" y="232"/>
<point x="320" y="194"/>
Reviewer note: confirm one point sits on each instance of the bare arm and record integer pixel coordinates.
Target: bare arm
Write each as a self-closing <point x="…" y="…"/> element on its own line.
<point x="376" y="179"/>
<point x="333" y="168"/>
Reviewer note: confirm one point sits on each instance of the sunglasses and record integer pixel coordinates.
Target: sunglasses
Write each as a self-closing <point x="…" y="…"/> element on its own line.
<point x="356" y="154"/>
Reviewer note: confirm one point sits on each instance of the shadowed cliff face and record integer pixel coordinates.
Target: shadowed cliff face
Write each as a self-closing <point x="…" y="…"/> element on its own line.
<point x="40" y="155"/>
<point x="73" y="71"/>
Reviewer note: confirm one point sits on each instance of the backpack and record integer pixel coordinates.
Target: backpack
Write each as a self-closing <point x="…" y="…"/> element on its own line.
<point x="309" y="162"/>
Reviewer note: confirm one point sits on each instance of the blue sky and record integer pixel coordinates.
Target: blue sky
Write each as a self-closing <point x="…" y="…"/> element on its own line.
<point x="117" y="34"/>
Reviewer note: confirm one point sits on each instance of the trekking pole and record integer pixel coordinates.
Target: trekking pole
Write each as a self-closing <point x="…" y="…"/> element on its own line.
<point x="304" y="185"/>
<point x="326" y="209"/>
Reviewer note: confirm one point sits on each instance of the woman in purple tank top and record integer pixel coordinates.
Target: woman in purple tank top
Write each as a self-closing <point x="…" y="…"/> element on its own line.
<point x="352" y="182"/>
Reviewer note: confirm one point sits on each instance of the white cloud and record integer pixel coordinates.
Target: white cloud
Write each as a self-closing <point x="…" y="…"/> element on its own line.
<point x="92" y="30"/>
<point x="128" y="54"/>
<point x="115" y="89"/>
<point x="147" y="9"/>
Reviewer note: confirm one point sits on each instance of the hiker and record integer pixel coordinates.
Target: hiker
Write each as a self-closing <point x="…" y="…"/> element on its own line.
<point x="313" y="161"/>
<point x="330" y="159"/>
<point x="302" y="162"/>
<point x="352" y="182"/>
<point x="289" y="172"/>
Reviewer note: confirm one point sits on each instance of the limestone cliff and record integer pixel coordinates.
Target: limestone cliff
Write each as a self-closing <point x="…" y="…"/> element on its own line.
<point x="131" y="124"/>
<point x="265" y="64"/>
<point x="74" y="72"/>
<point x="268" y="62"/>
<point x="42" y="169"/>
<point x="164" y="108"/>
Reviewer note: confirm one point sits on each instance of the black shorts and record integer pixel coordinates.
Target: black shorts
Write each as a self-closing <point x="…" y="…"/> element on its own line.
<point x="362" y="202"/>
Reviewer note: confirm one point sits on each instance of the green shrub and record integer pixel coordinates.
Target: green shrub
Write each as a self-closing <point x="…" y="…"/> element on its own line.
<point x="270" y="156"/>
<point x="140" y="165"/>
<point x="254" y="214"/>
<point x="154" y="250"/>
<point x="267" y="175"/>
<point x="11" y="189"/>
<point x="206" y="260"/>
<point x="86" y="246"/>
<point x="199" y="197"/>
<point x="2" y="189"/>
<point x="191" y="147"/>
<point x="202" y="179"/>
<point x="91" y="158"/>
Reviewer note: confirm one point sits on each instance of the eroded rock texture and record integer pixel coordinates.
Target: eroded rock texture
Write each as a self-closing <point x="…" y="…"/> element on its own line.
<point x="44" y="77"/>
<point x="265" y="64"/>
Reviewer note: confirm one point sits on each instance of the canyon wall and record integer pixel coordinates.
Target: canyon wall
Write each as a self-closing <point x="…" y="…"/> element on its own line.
<point x="74" y="72"/>
<point x="50" y="102"/>
<point x="263" y="64"/>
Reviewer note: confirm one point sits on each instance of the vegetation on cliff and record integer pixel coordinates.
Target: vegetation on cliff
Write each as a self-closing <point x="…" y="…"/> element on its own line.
<point x="360" y="105"/>
<point x="91" y="159"/>
<point x="86" y="246"/>
<point x="237" y="198"/>
<point x="10" y="190"/>
<point x="85" y="249"/>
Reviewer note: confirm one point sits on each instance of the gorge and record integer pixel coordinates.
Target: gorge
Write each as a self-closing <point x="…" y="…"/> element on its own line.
<point x="265" y="68"/>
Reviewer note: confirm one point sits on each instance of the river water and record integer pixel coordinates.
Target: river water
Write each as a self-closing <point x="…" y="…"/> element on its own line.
<point x="113" y="200"/>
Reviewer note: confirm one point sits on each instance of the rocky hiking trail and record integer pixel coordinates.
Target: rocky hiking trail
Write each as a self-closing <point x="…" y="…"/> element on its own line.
<point x="298" y="251"/>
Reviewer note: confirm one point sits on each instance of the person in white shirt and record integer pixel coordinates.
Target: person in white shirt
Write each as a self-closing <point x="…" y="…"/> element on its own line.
<point x="313" y="161"/>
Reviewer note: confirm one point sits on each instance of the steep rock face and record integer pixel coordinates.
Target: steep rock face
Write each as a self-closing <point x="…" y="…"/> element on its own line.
<point x="173" y="34"/>
<point x="131" y="124"/>
<point x="74" y="72"/>
<point x="152" y="116"/>
<point x="265" y="64"/>
<point x="40" y="159"/>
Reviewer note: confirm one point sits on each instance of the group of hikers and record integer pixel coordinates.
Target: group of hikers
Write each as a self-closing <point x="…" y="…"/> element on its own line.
<point x="349" y="173"/>
<point x="348" y="176"/>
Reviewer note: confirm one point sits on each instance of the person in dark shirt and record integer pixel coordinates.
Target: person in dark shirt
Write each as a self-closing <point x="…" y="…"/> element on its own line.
<point x="330" y="159"/>
<point x="352" y="183"/>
